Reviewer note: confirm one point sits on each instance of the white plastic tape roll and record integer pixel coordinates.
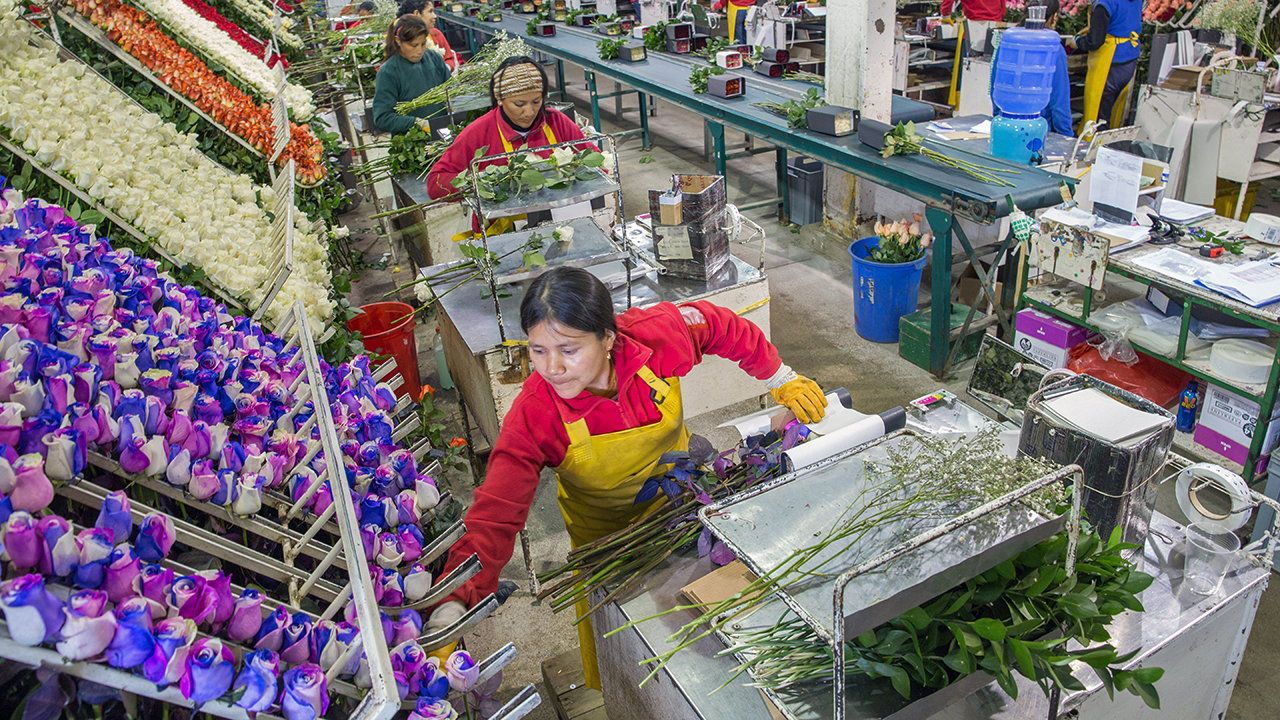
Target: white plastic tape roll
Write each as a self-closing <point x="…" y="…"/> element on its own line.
<point x="1199" y="484"/>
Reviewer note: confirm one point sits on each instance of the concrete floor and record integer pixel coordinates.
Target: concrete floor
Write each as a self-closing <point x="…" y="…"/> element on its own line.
<point x="811" y="311"/>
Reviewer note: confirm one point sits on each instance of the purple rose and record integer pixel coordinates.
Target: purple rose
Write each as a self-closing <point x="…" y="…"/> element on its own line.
<point x="417" y="583"/>
<point x="178" y="474"/>
<point x="403" y="464"/>
<point x="295" y="646"/>
<point x="324" y="638"/>
<point x="52" y="528"/>
<point x="218" y="584"/>
<point x="372" y="512"/>
<point x="34" y="614"/>
<point x="407" y="660"/>
<point x="155" y="537"/>
<point x="369" y="538"/>
<point x="271" y="633"/>
<point x="407" y="503"/>
<point x="305" y="693"/>
<point x="461" y="670"/>
<point x="64" y="552"/>
<point x="246" y="618"/>
<point x="392" y="588"/>
<point x="407" y="627"/>
<point x="65" y="454"/>
<point x="411" y="542"/>
<point x="155" y="582"/>
<point x="133" y="642"/>
<point x="227" y="488"/>
<point x="322" y="499"/>
<point x="123" y="569"/>
<point x="248" y="499"/>
<point x="88" y="629"/>
<point x="204" y="480"/>
<point x="95" y="549"/>
<point x="191" y="597"/>
<point x="21" y="542"/>
<point x="114" y="516"/>
<point x="389" y="553"/>
<point x="431" y="708"/>
<point x="209" y="671"/>
<point x="433" y="682"/>
<point x="258" y="681"/>
<point x="32" y="490"/>
<point x="426" y="494"/>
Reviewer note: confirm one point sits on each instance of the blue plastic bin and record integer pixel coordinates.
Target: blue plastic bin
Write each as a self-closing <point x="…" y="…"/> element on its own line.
<point x="882" y="292"/>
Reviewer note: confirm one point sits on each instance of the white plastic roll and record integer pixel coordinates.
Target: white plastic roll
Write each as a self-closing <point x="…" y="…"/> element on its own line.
<point x="1247" y="362"/>
<point x="1207" y="478"/>
<point x="819" y="448"/>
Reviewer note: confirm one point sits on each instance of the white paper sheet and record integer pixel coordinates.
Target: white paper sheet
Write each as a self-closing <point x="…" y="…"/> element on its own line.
<point x="1116" y="179"/>
<point x="1176" y="264"/>
<point x="1256" y="283"/>
<point x="1098" y="414"/>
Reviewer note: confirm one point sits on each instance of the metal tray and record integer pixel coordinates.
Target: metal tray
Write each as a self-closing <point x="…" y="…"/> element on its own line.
<point x="548" y="198"/>
<point x="765" y="525"/>
<point x="590" y="246"/>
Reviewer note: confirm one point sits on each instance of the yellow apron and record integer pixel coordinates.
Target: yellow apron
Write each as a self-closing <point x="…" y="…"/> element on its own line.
<point x="953" y="95"/>
<point x="731" y="17"/>
<point x="1095" y="81"/>
<point x="600" y="476"/>
<point x="506" y="224"/>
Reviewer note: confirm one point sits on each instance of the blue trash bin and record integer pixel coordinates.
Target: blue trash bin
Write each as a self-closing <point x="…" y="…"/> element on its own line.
<point x="882" y="292"/>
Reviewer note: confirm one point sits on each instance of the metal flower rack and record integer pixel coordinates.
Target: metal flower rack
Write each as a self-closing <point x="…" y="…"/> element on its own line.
<point x="279" y="116"/>
<point x="282" y="236"/>
<point x="897" y="566"/>
<point x="92" y="32"/>
<point x="321" y="561"/>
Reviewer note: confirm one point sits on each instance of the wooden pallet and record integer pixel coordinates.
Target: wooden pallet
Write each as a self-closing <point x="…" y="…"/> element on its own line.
<point x="570" y="697"/>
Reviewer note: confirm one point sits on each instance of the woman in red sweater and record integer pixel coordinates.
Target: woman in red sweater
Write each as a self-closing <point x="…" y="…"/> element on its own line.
<point x="601" y="408"/>
<point x="518" y="119"/>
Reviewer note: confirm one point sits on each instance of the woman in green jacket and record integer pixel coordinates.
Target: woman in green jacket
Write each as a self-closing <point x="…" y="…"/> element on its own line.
<point x="410" y="70"/>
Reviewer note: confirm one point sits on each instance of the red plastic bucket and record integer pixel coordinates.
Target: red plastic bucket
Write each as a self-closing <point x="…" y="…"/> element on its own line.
<point x="386" y="328"/>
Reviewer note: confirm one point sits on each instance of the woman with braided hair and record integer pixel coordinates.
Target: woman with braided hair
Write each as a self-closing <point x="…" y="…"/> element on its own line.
<point x="519" y="119"/>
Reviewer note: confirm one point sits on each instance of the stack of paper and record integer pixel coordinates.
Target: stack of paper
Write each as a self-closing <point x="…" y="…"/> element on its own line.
<point x="1254" y="283"/>
<point x="1097" y="414"/>
<point x="1182" y="213"/>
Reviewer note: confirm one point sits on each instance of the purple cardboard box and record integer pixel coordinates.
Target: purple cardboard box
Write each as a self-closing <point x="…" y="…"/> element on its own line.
<point x="1045" y="338"/>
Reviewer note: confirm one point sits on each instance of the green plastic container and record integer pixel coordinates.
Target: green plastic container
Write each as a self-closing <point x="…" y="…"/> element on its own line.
<point x="913" y="335"/>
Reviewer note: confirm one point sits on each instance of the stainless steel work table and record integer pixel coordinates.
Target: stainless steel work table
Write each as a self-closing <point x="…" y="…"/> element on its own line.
<point x="1197" y="640"/>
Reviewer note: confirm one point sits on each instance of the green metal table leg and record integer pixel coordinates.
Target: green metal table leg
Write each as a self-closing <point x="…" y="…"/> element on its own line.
<point x="717" y="145"/>
<point x="644" y="121"/>
<point x="784" y="196"/>
<point x="560" y="80"/>
<point x="940" y="221"/>
<point x="471" y="41"/>
<point x="595" y="100"/>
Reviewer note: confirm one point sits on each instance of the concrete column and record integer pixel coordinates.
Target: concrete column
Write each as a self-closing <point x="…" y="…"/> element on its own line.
<point x="860" y="76"/>
<point x="651" y="11"/>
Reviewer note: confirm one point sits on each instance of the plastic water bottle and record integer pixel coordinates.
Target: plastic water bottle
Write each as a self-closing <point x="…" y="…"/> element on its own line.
<point x="1187" y="401"/>
<point x="442" y="365"/>
<point x="1022" y="79"/>
<point x="1018" y="138"/>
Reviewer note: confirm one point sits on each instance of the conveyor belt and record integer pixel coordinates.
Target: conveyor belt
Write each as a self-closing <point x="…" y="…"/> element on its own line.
<point x="666" y="77"/>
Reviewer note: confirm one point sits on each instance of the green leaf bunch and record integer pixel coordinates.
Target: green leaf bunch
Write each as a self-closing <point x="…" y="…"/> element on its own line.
<point x="610" y="48"/>
<point x="700" y="75"/>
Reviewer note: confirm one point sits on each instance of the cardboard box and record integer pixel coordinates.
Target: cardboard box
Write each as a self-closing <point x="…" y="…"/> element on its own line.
<point x="698" y="248"/>
<point x="545" y="29"/>
<point x="680" y="31"/>
<point x="771" y="69"/>
<point x="729" y="59"/>
<point x="1045" y="338"/>
<point x="679" y="47"/>
<point x="1228" y="422"/>
<point x="726" y="86"/>
<point x="633" y="52"/>
<point x="776" y="55"/>
<point x="832" y="120"/>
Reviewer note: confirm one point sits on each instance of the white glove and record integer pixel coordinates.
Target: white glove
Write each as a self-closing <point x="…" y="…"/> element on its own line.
<point x="445" y="615"/>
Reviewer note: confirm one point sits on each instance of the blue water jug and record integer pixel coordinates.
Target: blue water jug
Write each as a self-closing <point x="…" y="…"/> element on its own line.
<point x="1022" y="79"/>
<point x="1018" y="138"/>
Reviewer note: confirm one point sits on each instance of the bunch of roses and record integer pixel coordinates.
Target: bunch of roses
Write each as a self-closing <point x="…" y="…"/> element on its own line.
<point x="260" y="14"/>
<point x="99" y="351"/>
<point x="139" y="35"/>
<point x="151" y="175"/>
<point x="215" y="44"/>
<point x="153" y="629"/>
<point x="234" y="31"/>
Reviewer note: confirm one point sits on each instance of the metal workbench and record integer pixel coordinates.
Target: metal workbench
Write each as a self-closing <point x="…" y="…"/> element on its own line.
<point x="948" y="194"/>
<point x="1197" y="640"/>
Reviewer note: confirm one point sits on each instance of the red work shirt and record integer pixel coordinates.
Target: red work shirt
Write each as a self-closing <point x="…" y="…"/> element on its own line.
<point x="487" y="132"/>
<point x="670" y="340"/>
<point x="451" y="59"/>
<point x="986" y="10"/>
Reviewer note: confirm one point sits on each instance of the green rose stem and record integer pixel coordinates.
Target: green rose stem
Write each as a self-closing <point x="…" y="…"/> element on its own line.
<point x="904" y="140"/>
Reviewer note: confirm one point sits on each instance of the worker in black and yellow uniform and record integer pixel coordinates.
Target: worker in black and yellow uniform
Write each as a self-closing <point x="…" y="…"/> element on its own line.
<point x="1112" y="41"/>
